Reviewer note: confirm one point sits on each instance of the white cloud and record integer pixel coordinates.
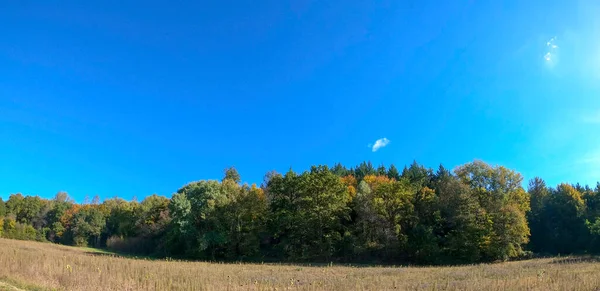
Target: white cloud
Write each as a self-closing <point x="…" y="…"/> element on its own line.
<point x="380" y="143"/>
<point x="551" y="55"/>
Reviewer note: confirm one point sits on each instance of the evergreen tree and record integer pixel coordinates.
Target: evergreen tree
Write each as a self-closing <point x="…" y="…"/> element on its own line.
<point x="393" y="173"/>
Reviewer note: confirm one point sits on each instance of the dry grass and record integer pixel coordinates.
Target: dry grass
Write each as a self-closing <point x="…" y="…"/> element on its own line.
<point x="66" y="268"/>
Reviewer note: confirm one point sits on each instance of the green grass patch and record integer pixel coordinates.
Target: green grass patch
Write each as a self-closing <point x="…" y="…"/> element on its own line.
<point x="105" y="252"/>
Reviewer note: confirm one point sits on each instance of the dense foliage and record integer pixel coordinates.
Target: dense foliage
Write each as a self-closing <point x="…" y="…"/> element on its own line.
<point x="476" y="213"/>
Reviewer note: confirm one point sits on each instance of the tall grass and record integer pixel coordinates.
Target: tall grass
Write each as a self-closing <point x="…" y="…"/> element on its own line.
<point x="67" y="268"/>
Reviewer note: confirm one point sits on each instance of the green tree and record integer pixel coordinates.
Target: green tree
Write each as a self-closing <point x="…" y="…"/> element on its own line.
<point x="206" y="198"/>
<point x="565" y="217"/>
<point x="384" y="210"/>
<point x="15" y="205"/>
<point x="381" y="171"/>
<point x="393" y="173"/>
<point x="244" y="219"/>
<point x="340" y="170"/>
<point x="138" y="227"/>
<point x="592" y="202"/>
<point x="307" y="212"/>
<point x="232" y="174"/>
<point x="120" y="217"/>
<point x="58" y="207"/>
<point x="32" y="205"/>
<point x="2" y="208"/>
<point x="537" y="217"/>
<point x="364" y="169"/>
<point x="220" y="220"/>
<point x="426" y="224"/>
<point x="417" y="174"/>
<point x="592" y="205"/>
<point x="441" y="175"/>
<point x="153" y="216"/>
<point x="465" y="228"/>
<point x="87" y="225"/>
<point x="25" y="208"/>
<point x="594" y="227"/>
<point x="504" y="203"/>
<point x="367" y="244"/>
<point x="20" y="231"/>
<point x="182" y="235"/>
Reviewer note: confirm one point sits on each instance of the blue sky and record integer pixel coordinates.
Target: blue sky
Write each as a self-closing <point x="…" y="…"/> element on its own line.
<point x="128" y="99"/>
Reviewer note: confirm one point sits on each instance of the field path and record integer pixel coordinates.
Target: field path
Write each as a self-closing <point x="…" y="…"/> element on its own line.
<point x="7" y="287"/>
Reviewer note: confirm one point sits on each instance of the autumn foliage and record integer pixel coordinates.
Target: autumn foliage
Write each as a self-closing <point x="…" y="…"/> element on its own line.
<point x="475" y="213"/>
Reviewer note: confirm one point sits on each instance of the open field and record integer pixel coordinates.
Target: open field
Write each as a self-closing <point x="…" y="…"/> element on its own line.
<point x="24" y="265"/>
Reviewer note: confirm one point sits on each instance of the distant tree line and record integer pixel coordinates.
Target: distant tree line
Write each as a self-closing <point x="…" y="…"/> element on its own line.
<point x="476" y="213"/>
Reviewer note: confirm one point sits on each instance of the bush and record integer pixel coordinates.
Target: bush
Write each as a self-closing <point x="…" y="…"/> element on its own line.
<point x="80" y="241"/>
<point x="15" y="230"/>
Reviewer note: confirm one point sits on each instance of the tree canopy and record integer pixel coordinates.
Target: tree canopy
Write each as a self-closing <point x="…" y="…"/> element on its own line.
<point x="475" y="213"/>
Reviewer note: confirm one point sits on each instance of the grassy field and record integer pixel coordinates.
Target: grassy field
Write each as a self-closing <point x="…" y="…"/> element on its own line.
<point x="41" y="266"/>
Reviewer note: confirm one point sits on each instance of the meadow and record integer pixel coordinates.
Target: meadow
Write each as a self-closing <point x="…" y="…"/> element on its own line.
<point x="26" y="265"/>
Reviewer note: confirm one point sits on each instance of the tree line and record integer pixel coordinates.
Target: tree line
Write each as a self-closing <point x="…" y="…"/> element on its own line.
<point x="475" y="213"/>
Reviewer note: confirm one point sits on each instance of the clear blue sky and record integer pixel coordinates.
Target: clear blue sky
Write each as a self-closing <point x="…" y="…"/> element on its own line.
<point x="110" y="98"/>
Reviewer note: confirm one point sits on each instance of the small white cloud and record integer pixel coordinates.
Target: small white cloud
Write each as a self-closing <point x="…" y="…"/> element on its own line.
<point x="551" y="55"/>
<point x="380" y="143"/>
